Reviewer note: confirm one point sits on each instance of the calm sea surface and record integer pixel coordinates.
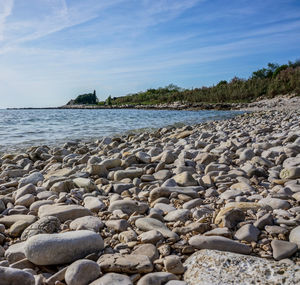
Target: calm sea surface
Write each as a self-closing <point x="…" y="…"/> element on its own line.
<point x="23" y="128"/>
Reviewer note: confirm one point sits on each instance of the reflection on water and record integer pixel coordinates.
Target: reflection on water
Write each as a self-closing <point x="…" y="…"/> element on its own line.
<point x="22" y="128"/>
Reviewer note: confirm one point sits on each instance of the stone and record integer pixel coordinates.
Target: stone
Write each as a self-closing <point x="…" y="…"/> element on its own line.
<point x="127" y="236"/>
<point x="127" y="206"/>
<point x="97" y="169"/>
<point x="283" y="249"/>
<point x="33" y="178"/>
<point x="265" y="220"/>
<point x="25" y="200"/>
<point x="63" y="212"/>
<point x="27" y="189"/>
<point x="225" y="232"/>
<point x="173" y="264"/>
<point x="87" y="223"/>
<point x="13" y="276"/>
<point x="82" y="272"/>
<point x="127" y="173"/>
<point x="226" y="268"/>
<point x="231" y="218"/>
<point x="152" y="236"/>
<point x="15" y="252"/>
<point x="185" y="179"/>
<point x="51" y="249"/>
<point x="275" y="203"/>
<point x="143" y="157"/>
<point x="10" y="220"/>
<point x="147" y="224"/>
<point x="178" y="215"/>
<point x="219" y="243"/>
<point x="295" y="236"/>
<point x="157" y="278"/>
<point x="85" y="183"/>
<point x="113" y="278"/>
<point x="248" y="233"/>
<point x="117" y="225"/>
<point x="192" y="203"/>
<point x="18" y="227"/>
<point x="93" y="204"/>
<point x="147" y="249"/>
<point x="290" y="173"/>
<point x="130" y="264"/>
<point x="45" y="225"/>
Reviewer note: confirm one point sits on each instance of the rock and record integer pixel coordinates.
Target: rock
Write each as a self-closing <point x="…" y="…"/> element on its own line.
<point x="13" y="276"/>
<point x="121" y="187"/>
<point x="45" y="225"/>
<point x="127" y="236"/>
<point x="295" y="236"/>
<point x="225" y="232"/>
<point x="230" y="218"/>
<point x="117" y="225"/>
<point x="283" y="249"/>
<point x="85" y="183"/>
<point x="10" y="220"/>
<point x="275" y="203"/>
<point x="152" y="236"/>
<point x="33" y="178"/>
<point x="173" y="264"/>
<point x="192" y="203"/>
<point x="163" y="175"/>
<point x="62" y="186"/>
<point x="146" y="224"/>
<point x="50" y="249"/>
<point x="128" y="173"/>
<point x="63" y="212"/>
<point x="148" y="250"/>
<point x="157" y="278"/>
<point x="87" y="223"/>
<point x="290" y="173"/>
<point x="15" y="252"/>
<point x="25" y="200"/>
<point x="226" y="268"/>
<point x="248" y="233"/>
<point x="97" y="169"/>
<point x="113" y="278"/>
<point x="125" y="263"/>
<point x="143" y="157"/>
<point x="218" y="243"/>
<point x="128" y="207"/>
<point x="27" y="189"/>
<point x="93" y="204"/>
<point x="82" y="272"/>
<point x="18" y="227"/>
<point x="178" y="215"/>
<point x="185" y="179"/>
<point x="265" y="220"/>
<point x="111" y="163"/>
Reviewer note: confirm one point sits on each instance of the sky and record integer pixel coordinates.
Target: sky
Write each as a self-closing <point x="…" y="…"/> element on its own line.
<point x="53" y="50"/>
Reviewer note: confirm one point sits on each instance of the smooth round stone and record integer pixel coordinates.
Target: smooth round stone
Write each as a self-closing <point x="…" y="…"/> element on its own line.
<point x="90" y="223"/>
<point x="13" y="276"/>
<point x="157" y="278"/>
<point x="283" y="249"/>
<point x="295" y="236"/>
<point x="173" y="264"/>
<point x="219" y="243"/>
<point x="82" y="272"/>
<point x="50" y="249"/>
<point x="113" y="278"/>
<point x="248" y="233"/>
<point x="178" y="215"/>
<point x="25" y="200"/>
<point x="93" y="204"/>
<point x="33" y="178"/>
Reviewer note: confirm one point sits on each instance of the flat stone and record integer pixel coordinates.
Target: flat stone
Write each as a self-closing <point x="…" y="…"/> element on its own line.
<point x="231" y="218"/>
<point x="82" y="272"/>
<point x="97" y="169"/>
<point x="50" y="249"/>
<point x="283" y="249"/>
<point x="85" y="183"/>
<point x="87" y="223"/>
<point x="226" y="268"/>
<point x="45" y="225"/>
<point x="125" y="263"/>
<point x="33" y="178"/>
<point x="15" y="252"/>
<point x="178" y="215"/>
<point x="219" y="243"/>
<point x="225" y="232"/>
<point x="290" y="173"/>
<point x="265" y="220"/>
<point x="147" y="224"/>
<point x="173" y="264"/>
<point x="275" y="203"/>
<point x="93" y="204"/>
<point x="157" y="278"/>
<point x="152" y="236"/>
<point x="10" y="220"/>
<point x="128" y="173"/>
<point x="119" y="225"/>
<point x="248" y="233"/>
<point x="147" y="249"/>
<point x="13" y="276"/>
<point x="63" y="212"/>
<point x="185" y="179"/>
<point x="25" y="200"/>
<point x="295" y="236"/>
<point x="113" y="278"/>
<point x="128" y="207"/>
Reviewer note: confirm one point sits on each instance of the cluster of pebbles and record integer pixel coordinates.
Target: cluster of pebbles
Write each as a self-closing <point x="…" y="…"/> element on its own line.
<point x="216" y="203"/>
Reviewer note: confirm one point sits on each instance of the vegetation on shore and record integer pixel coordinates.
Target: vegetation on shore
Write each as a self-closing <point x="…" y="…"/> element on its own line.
<point x="266" y="82"/>
<point x="83" y="99"/>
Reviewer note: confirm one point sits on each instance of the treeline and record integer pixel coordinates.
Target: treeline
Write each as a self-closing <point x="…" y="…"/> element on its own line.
<point x="270" y="81"/>
<point x="89" y="98"/>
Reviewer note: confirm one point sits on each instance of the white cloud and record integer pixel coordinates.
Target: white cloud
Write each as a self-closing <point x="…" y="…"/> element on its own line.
<point x="6" y="8"/>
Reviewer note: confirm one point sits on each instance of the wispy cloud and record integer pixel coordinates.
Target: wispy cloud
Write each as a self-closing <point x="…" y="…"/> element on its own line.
<point x="5" y="11"/>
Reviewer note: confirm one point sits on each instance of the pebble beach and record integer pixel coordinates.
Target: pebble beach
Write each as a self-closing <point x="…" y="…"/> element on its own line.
<point x="213" y="203"/>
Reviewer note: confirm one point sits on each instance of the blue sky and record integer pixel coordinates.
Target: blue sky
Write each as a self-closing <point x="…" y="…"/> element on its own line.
<point x="53" y="50"/>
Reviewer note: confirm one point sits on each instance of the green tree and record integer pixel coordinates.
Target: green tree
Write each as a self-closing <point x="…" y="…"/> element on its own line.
<point x="108" y="101"/>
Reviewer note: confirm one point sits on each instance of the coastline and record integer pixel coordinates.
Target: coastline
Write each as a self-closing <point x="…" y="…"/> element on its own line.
<point x="161" y="199"/>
